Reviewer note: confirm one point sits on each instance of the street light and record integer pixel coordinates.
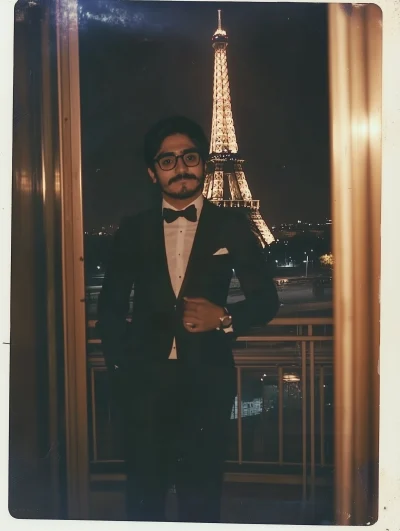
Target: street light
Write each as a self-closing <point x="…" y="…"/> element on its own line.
<point x="306" y="261"/>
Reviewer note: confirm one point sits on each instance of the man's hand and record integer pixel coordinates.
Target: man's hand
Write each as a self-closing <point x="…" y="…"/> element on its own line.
<point x="201" y="315"/>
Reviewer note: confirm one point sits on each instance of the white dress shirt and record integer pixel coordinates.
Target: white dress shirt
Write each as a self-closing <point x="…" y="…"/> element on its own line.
<point x="179" y="236"/>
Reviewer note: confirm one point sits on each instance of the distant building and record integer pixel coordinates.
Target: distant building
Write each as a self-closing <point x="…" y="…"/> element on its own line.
<point x="290" y="230"/>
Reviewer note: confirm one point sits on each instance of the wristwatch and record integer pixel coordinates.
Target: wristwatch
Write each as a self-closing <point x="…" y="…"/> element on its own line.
<point x="225" y="320"/>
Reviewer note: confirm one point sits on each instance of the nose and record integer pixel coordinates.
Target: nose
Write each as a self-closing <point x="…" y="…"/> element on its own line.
<point x="180" y="166"/>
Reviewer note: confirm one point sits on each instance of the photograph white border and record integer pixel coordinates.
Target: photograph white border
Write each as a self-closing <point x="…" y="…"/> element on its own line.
<point x="389" y="367"/>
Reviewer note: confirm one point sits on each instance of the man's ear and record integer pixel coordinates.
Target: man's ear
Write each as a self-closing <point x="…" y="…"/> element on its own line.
<point x="152" y="175"/>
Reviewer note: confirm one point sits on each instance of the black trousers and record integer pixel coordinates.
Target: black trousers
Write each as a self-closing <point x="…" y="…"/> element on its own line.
<point x="175" y="423"/>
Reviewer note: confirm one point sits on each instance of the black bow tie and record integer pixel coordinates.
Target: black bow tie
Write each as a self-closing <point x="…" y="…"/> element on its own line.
<point x="190" y="213"/>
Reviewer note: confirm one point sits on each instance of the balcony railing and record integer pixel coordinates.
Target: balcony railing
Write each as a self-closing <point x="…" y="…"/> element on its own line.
<point x="282" y="420"/>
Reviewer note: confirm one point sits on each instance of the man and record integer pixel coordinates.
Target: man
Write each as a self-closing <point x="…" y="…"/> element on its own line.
<point x="173" y="374"/>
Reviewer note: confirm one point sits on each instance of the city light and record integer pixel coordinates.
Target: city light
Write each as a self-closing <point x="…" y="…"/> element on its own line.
<point x="291" y="377"/>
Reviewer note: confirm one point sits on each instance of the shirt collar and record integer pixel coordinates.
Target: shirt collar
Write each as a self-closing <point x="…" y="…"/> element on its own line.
<point x="198" y="203"/>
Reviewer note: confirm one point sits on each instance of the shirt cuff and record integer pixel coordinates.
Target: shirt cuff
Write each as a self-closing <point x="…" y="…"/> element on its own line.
<point x="229" y="329"/>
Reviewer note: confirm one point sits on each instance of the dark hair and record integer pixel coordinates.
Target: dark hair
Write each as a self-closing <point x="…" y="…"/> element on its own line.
<point x="170" y="126"/>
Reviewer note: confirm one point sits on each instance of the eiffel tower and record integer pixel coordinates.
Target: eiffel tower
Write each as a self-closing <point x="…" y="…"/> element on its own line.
<point x="225" y="183"/>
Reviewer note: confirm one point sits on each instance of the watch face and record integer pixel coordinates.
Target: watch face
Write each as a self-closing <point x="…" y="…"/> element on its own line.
<point x="226" y="321"/>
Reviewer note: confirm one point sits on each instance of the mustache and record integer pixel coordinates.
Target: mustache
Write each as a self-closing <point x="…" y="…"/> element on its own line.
<point x="181" y="176"/>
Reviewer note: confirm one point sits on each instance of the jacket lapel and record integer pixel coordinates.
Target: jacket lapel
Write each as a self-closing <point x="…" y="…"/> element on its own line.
<point x="200" y="243"/>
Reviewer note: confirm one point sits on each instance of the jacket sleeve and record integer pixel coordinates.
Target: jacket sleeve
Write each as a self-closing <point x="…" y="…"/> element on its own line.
<point x="261" y="302"/>
<point x="113" y="304"/>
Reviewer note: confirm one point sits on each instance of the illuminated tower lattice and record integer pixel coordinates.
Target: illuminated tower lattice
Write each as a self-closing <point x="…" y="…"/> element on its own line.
<point x="225" y="182"/>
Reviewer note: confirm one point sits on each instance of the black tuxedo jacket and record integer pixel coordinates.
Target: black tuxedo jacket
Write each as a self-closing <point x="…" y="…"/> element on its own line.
<point x="139" y="259"/>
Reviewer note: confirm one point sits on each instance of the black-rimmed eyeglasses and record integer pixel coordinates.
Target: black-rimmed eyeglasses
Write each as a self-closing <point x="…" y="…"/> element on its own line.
<point x="168" y="161"/>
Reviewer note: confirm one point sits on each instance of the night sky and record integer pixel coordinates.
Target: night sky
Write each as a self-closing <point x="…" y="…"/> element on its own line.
<point x="142" y="61"/>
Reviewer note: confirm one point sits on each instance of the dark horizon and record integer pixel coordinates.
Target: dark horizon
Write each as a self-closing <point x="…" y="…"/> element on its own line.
<point x="141" y="61"/>
<point x="287" y="223"/>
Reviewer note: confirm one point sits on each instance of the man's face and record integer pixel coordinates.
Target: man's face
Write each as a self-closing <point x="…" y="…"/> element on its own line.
<point x="184" y="180"/>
